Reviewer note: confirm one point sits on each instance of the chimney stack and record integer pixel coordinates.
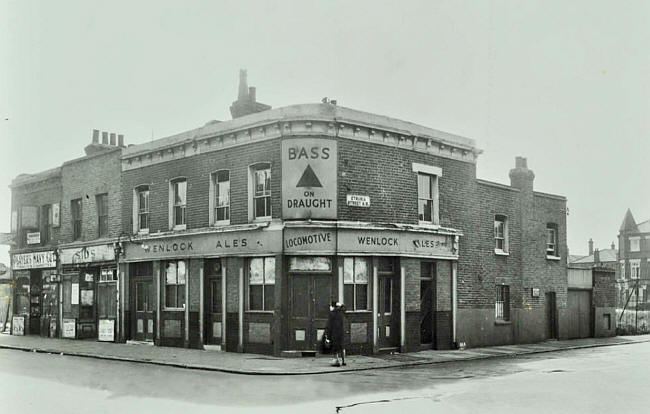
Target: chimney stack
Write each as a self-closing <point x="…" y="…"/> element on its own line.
<point x="95" y="136"/>
<point x="113" y="138"/>
<point x="591" y="247"/>
<point x="251" y="94"/>
<point x="613" y="246"/>
<point x="521" y="177"/>
<point x="120" y="140"/>
<point x="246" y="102"/>
<point x="596" y="257"/>
<point x="104" y="137"/>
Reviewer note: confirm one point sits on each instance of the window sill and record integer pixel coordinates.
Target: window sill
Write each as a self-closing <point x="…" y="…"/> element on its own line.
<point x="262" y="219"/>
<point x="261" y="312"/>
<point x="501" y="252"/>
<point x="142" y="232"/>
<point x="429" y="224"/>
<point x="502" y="322"/>
<point x="174" y="309"/>
<point x="180" y="227"/>
<point x="221" y="223"/>
<point x="555" y="258"/>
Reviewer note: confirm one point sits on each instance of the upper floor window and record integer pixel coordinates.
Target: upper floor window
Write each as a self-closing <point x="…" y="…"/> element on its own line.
<point x="178" y="204"/>
<point x="635" y="244"/>
<point x="635" y="268"/>
<point x="500" y="234"/>
<point x="220" y="200"/>
<point x="46" y="223"/>
<point x="261" y="191"/>
<point x="551" y="239"/>
<point x="261" y="284"/>
<point x="427" y="193"/>
<point x="141" y="209"/>
<point x="102" y="214"/>
<point x="75" y="209"/>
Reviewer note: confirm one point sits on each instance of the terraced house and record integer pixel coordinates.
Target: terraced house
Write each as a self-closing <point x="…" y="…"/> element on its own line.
<point x="237" y="235"/>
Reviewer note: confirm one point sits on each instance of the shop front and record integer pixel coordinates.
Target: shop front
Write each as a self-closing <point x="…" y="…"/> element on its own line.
<point x="214" y="289"/>
<point x="36" y="294"/>
<point x="90" y="292"/>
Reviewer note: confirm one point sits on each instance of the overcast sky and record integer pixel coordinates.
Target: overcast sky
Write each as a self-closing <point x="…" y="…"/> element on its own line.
<point x="566" y="84"/>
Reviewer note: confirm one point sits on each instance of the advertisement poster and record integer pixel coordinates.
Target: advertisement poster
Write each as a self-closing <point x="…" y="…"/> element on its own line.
<point x="74" y="295"/>
<point x="18" y="325"/>
<point x="69" y="328"/>
<point x="106" y="330"/>
<point x="87" y="297"/>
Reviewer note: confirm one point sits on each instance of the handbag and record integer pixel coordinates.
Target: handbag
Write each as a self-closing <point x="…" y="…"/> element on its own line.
<point x="326" y="344"/>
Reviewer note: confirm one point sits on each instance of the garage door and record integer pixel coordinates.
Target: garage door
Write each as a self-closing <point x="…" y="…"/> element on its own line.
<point x="579" y="313"/>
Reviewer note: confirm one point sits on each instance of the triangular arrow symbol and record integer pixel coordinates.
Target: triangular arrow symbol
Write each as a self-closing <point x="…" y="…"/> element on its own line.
<point x="309" y="179"/>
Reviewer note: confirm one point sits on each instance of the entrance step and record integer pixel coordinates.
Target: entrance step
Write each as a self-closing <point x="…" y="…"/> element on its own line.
<point x="212" y="347"/>
<point x="134" y="342"/>
<point x="389" y="350"/>
<point x="297" y="354"/>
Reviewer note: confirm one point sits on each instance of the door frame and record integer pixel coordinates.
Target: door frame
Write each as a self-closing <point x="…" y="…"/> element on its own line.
<point x="313" y="324"/>
<point x="133" y="305"/>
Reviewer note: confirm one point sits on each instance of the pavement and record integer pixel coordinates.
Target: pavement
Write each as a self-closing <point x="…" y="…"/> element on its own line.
<point x="253" y="364"/>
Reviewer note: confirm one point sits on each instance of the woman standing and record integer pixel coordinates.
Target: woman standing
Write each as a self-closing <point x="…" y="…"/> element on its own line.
<point x="334" y="331"/>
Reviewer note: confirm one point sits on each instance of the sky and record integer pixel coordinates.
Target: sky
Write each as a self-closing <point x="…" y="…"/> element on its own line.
<point x="565" y="84"/>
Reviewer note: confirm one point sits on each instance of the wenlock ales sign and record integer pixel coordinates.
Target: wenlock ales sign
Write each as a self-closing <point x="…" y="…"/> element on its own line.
<point x="309" y="171"/>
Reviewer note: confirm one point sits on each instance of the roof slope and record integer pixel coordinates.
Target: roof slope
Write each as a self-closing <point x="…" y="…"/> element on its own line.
<point x="628" y="222"/>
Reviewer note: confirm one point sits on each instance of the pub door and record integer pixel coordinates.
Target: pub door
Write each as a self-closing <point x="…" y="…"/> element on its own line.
<point x="212" y="325"/>
<point x="309" y="299"/>
<point x="388" y="335"/>
<point x="144" y="306"/>
<point x="427" y="300"/>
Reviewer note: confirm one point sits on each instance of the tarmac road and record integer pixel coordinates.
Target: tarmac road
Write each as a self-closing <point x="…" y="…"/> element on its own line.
<point x="595" y="380"/>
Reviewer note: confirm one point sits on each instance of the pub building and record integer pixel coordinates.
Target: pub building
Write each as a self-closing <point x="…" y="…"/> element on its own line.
<point x="241" y="232"/>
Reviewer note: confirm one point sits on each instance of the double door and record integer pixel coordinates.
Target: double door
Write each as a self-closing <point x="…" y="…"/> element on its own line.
<point x="309" y="299"/>
<point x="144" y="310"/>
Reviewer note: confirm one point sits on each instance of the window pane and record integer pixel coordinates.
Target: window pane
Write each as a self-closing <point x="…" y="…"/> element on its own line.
<point x="385" y="264"/>
<point x="348" y="296"/>
<point x="362" y="297"/>
<point x="180" y="192"/>
<point x="348" y="270"/>
<point x="144" y="221"/>
<point x="181" y="296"/>
<point x="269" y="297"/>
<point x="181" y="272"/>
<point x="255" y="297"/>
<point x="179" y="215"/>
<point x="170" y="273"/>
<point x="170" y="296"/>
<point x="143" y="201"/>
<point x="260" y="207"/>
<point x="223" y="194"/>
<point x="223" y="175"/>
<point x="424" y="210"/>
<point x="388" y="291"/>
<point x="269" y="270"/>
<point x="360" y="270"/>
<point x="424" y="186"/>
<point x="498" y="229"/>
<point x="256" y="271"/>
<point x="310" y="263"/>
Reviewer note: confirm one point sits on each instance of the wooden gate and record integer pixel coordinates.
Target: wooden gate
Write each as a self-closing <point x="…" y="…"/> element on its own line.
<point x="579" y="314"/>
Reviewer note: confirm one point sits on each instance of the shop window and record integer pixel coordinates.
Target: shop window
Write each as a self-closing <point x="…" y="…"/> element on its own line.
<point x="46" y="224"/>
<point x="178" y="204"/>
<point x="635" y="244"/>
<point x="635" y="268"/>
<point x="75" y="208"/>
<point x="220" y="200"/>
<point x="141" y="209"/>
<point x="102" y="214"/>
<point x="551" y="240"/>
<point x="108" y="275"/>
<point x="260" y="189"/>
<point x="500" y="234"/>
<point x="261" y="284"/>
<point x="356" y="272"/>
<point x="502" y="305"/>
<point x="175" y="277"/>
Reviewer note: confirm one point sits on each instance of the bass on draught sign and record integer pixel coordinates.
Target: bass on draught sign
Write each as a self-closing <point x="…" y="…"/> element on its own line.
<point x="309" y="178"/>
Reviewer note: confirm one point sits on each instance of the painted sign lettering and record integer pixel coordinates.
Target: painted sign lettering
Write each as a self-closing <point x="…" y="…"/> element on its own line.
<point x="88" y="254"/>
<point x="35" y="260"/>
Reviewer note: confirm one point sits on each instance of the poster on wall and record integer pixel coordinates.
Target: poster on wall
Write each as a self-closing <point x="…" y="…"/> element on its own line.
<point x="69" y="328"/>
<point x="106" y="330"/>
<point x="74" y="295"/>
<point x="87" y="297"/>
<point x="18" y="325"/>
<point x="56" y="214"/>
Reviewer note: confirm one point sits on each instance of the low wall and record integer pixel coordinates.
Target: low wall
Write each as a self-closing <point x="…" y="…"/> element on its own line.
<point x="631" y="319"/>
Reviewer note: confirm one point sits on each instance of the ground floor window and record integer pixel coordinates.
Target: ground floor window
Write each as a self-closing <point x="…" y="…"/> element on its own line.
<point x="261" y="284"/>
<point x="502" y="305"/>
<point x="175" y="277"/>
<point x="356" y="272"/>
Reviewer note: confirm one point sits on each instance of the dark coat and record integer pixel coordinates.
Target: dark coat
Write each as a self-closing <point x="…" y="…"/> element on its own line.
<point x="335" y="329"/>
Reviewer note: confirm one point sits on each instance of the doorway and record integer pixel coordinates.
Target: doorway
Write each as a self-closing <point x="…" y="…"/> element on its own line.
<point x="387" y="314"/>
<point x="212" y="325"/>
<point x="309" y="299"/>
<point x="551" y="316"/>
<point x="428" y="272"/>
<point x="143" y="302"/>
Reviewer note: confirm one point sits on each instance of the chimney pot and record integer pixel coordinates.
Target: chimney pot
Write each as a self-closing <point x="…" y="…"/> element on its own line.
<point x="95" y="136"/>
<point x="596" y="257"/>
<point x="591" y="247"/>
<point x="613" y="246"/>
<point x="112" y="138"/>
<point x="104" y="137"/>
<point x="120" y="140"/>
<point x="521" y="162"/>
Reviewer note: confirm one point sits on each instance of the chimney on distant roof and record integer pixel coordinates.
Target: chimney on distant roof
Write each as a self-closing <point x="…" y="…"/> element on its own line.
<point x="613" y="246"/>
<point x="120" y="140"/>
<point x="246" y="102"/>
<point x="113" y="139"/>
<point x="104" y="137"/>
<point x="591" y="247"/>
<point x="95" y="136"/>
<point x="596" y="257"/>
<point x="521" y="177"/>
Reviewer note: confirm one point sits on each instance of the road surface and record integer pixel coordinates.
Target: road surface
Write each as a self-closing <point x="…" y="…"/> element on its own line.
<point x="596" y="380"/>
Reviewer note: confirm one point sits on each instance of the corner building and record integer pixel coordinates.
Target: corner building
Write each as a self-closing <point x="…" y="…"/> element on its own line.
<point x="242" y="232"/>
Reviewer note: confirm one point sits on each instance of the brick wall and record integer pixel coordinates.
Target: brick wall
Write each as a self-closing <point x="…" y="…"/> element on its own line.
<point x="37" y="194"/>
<point x="84" y="179"/>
